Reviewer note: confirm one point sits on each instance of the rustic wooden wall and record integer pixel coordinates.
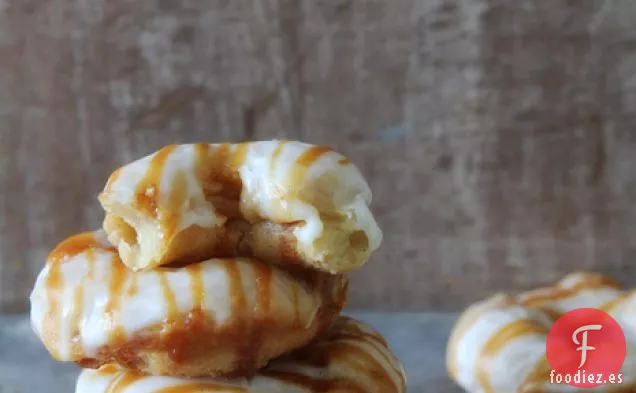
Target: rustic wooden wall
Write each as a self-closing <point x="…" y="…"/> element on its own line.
<point x="498" y="135"/>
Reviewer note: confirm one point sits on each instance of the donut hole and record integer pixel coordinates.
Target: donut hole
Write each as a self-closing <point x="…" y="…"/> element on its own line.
<point x="127" y="237"/>
<point x="341" y="245"/>
<point x="127" y="232"/>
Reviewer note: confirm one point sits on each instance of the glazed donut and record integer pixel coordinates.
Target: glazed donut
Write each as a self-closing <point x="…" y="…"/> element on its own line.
<point x="277" y="201"/>
<point x="351" y="358"/>
<point x="220" y="317"/>
<point x="499" y="344"/>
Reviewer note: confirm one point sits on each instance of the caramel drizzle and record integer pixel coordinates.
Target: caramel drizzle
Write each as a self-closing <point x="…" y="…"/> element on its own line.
<point x="509" y="333"/>
<point x="552" y="313"/>
<point x="277" y="213"/>
<point x="118" y="278"/>
<point x="344" y="161"/>
<point x="354" y="333"/>
<point x="295" y="303"/>
<point x="348" y="342"/>
<point x="147" y="193"/>
<point x="216" y="169"/>
<point x="559" y="293"/>
<point x="304" y="161"/>
<point x="77" y="345"/>
<point x="239" y="155"/>
<point x="276" y="156"/>
<point x="196" y="317"/>
<point x="201" y="387"/>
<point x="236" y="291"/>
<point x="90" y="260"/>
<point x="315" y="384"/>
<point x="589" y="281"/>
<point x="112" y="179"/>
<point x="123" y="379"/>
<point x="238" y="305"/>
<point x="176" y="343"/>
<point x="467" y="322"/>
<point x="172" y="309"/>
<point x="134" y="286"/>
<point x="176" y="201"/>
<point x="122" y="382"/>
<point x="311" y="155"/>
<point x="53" y="284"/>
<point x="198" y="289"/>
<point x="365" y="363"/>
<point x="540" y="373"/>
<point x="108" y="369"/>
<point x="617" y="301"/>
<point x="263" y="277"/>
<point x="74" y="246"/>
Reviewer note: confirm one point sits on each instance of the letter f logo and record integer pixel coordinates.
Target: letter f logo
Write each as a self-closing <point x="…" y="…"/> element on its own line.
<point x="584" y="347"/>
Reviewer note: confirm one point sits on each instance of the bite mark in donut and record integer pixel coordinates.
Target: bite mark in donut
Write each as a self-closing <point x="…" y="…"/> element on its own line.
<point x="278" y="201"/>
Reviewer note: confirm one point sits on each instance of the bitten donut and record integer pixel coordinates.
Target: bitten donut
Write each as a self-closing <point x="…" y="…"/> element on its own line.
<point x="351" y="358"/>
<point x="499" y="344"/>
<point x="278" y="201"/>
<point x="220" y="317"/>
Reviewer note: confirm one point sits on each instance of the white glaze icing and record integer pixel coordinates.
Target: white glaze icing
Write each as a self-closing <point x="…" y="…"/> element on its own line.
<point x="498" y="344"/>
<point x="282" y="182"/>
<point x="353" y="358"/>
<point x="84" y="295"/>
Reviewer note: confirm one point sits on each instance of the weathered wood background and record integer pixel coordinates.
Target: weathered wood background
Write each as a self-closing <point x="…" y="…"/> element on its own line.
<point x="498" y="135"/>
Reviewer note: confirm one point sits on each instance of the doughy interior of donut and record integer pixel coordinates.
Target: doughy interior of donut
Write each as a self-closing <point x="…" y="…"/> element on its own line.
<point x="181" y="211"/>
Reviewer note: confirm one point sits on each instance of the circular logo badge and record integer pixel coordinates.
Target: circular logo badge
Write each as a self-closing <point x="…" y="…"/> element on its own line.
<point x="585" y="348"/>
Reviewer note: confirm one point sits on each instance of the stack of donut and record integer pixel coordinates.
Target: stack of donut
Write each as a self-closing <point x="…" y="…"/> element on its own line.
<point x="219" y="268"/>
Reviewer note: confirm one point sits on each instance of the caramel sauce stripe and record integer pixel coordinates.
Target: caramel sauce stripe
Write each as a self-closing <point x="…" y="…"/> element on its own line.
<point x="505" y="336"/>
<point x="57" y="328"/>
<point x="121" y="382"/>
<point x="147" y="197"/>
<point x="468" y="345"/>
<point x="112" y="180"/>
<point x="77" y="346"/>
<point x="618" y="301"/>
<point x="200" y="387"/>
<point x="539" y="375"/>
<point x="547" y="295"/>
<point x="303" y="165"/>
<point x="313" y="384"/>
<point x="274" y="173"/>
<point x="378" y="361"/>
<point x="197" y="286"/>
<point x="369" y="344"/>
<point x="466" y="323"/>
<point x="217" y="172"/>
<point x="51" y="320"/>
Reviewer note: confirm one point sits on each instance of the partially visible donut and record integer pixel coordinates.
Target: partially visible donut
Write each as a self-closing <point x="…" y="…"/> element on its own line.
<point x="351" y="358"/>
<point x="498" y="345"/>
<point x="220" y="317"/>
<point x="278" y="201"/>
